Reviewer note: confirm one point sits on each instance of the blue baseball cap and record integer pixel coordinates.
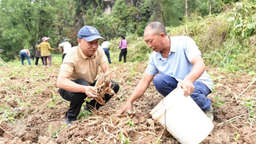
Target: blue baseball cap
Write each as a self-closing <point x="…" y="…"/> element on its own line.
<point x="89" y="33"/>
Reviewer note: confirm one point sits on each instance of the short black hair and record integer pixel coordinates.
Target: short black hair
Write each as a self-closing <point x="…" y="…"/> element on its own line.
<point x="122" y="37"/>
<point x="158" y="27"/>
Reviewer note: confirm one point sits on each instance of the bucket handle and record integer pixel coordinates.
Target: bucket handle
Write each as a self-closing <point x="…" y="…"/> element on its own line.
<point x="165" y="119"/>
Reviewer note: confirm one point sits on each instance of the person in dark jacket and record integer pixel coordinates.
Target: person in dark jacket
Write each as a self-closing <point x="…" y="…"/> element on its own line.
<point x="38" y="54"/>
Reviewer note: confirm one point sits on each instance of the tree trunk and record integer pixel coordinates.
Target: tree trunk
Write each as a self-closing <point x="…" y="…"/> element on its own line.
<point x="162" y="13"/>
<point x="186" y="11"/>
<point x="210" y="11"/>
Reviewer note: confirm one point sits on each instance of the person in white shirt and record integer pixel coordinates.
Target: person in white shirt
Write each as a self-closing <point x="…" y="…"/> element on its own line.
<point x="106" y="47"/>
<point x="66" y="47"/>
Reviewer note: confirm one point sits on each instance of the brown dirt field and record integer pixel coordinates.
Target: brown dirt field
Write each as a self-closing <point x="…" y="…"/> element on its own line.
<point x="32" y="111"/>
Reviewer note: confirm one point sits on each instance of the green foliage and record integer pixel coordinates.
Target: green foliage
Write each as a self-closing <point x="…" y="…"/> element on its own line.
<point x="63" y="23"/>
<point x="218" y="6"/>
<point x="130" y="123"/>
<point x="218" y="102"/>
<point x="51" y="104"/>
<point x="24" y="22"/>
<point x="137" y="49"/>
<point x="173" y="15"/>
<point x="99" y="8"/>
<point x="226" y="40"/>
<point x="54" y="134"/>
<point x="251" y="107"/>
<point x="237" y="135"/>
<point x="243" y="17"/>
<point x="228" y="36"/>
<point x="84" y="114"/>
<point x="7" y="114"/>
<point x="252" y="73"/>
<point x="123" y="139"/>
<point x="251" y="110"/>
<point x="145" y="14"/>
<point x="126" y="15"/>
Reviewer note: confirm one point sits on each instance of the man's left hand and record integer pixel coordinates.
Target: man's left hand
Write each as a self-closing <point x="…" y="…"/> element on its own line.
<point x="187" y="86"/>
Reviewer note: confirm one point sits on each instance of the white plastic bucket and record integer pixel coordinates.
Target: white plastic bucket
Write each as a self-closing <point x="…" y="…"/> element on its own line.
<point x="183" y="118"/>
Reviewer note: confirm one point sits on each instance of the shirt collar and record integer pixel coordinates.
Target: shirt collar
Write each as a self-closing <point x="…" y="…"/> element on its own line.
<point x="172" y="47"/>
<point x="83" y="55"/>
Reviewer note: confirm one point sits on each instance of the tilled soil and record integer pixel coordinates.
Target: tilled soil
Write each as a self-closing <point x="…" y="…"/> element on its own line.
<point x="32" y="111"/>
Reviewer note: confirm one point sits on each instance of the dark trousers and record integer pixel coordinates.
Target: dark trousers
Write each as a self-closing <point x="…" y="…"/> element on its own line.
<point x="77" y="99"/>
<point x="123" y="52"/>
<point x="166" y="84"/>
<point x="63" y="56"/>
<point x="107" y="54"/>
<point x="37" y="58"/>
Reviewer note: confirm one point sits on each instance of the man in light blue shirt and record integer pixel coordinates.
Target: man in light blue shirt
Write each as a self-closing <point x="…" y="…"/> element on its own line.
<point x="175" y="62"/>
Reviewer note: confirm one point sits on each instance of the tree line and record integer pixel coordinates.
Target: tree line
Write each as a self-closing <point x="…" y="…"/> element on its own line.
<point x="23" y="22"/>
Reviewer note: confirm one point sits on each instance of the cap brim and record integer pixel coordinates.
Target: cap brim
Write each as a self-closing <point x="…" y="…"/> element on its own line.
<point x="91" y="38"/>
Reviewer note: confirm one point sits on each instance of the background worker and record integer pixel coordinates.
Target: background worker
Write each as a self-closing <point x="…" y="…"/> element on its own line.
<point x="24" y="53"/>
<point x="106" y="47"/>
<point x="66" y="47"/>
<point x="38" y="54"/>
<point x="45" y="48"/>
<point x="123" y="47"/>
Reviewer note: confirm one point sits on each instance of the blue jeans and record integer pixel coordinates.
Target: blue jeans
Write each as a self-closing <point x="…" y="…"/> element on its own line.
<point x="166" y="84"/>
<point x="107" y="54"/>
<point x="24" y="55"/>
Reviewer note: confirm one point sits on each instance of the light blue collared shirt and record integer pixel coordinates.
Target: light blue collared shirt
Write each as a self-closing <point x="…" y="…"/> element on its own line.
<point x="178" y="64"/>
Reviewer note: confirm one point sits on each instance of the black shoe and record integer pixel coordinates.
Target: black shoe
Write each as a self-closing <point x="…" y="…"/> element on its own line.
<point x="68" y="121"/>
<point x="87" y="108"/>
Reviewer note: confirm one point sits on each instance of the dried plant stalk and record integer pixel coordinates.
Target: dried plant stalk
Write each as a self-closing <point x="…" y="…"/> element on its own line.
<point x="103" y="86"/>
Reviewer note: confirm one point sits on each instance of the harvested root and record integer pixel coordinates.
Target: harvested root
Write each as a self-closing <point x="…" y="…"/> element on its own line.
<point x="103" y="86"/>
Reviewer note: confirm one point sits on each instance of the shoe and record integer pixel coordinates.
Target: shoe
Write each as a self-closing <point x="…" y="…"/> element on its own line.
<point x="68" y="121"/>
<point x="88" y="108"/>
<point x="209" y="113"/>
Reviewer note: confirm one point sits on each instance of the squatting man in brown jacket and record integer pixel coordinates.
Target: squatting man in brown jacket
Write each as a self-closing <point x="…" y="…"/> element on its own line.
<point x="79" y="70"/>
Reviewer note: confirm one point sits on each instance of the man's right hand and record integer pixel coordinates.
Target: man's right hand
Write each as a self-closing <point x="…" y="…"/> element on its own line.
<point x="90" y="91"/>
<point x="127" y="107"/>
